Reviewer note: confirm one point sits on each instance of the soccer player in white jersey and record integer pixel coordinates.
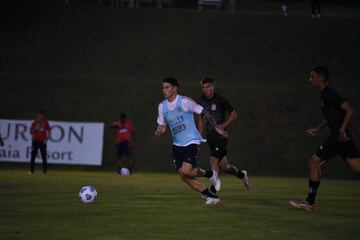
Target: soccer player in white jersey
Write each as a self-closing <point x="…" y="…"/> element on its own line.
<point x="177" y="112"/>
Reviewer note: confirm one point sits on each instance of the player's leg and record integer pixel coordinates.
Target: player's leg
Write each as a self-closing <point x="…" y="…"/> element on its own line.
<point x="43" y="152"/>
<point x="315" y="164"/>
<point x="327" y="150"/>
<point x="129" y="155"/>
<point x="187" y="172"/>
<point x="225" y="166"/>
<point x="34" y="150"/>
<point x="313" y="8"/>
<point x="214" y="164"/>
<point x="354" y="164"/>
<point x="209" y="174"/>
<point x="351" y="156"/>
<point x="131" y="163"/>
<point x="213" y="175"/>
<point x="215" y="156"/>
<point x="119" y="157"/>
<point x="119" y="164"/>
<point x="188" y="175"/>
<point x="318" y="9"/>
<point x="185" y="160"/>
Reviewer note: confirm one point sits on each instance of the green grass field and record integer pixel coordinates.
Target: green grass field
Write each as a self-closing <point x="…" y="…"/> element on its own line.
<point x="160" y="206"/>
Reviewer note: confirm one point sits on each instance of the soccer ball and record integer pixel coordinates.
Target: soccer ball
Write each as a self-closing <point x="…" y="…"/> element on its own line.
<point x="125" y="172"/>
<point x="87" y="194"/>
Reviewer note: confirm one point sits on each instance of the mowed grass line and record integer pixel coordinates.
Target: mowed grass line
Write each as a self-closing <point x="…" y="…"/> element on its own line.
<point x="160" y="206"/>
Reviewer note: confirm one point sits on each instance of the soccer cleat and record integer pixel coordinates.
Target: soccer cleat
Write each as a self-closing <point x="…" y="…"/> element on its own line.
<point x="212" y="201"/>
<point x="215" y="181"/>
<point x="203" y="196"/>
<point x="246" y="180"/>
<point x="302" y="204"/>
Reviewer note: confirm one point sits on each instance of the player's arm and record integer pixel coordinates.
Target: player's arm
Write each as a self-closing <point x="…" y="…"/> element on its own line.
<point x="160" y="130"/>
<point x="161" y="127"/>
<point x="211" y="120"/>
<point x="32" y="128"/>
<point x="201" y="124"/>
<point x="230" y="119"/>
<point x="347" y="118"/>
<point x="315" y="131"/>
<point x="232" y="116"/>
<point x="113" y="125"/>
<point x="48" y="132"/>
<point x="192" y="106"/>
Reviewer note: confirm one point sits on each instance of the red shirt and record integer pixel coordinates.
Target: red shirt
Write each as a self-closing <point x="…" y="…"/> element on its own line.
<point x="40" y="130"/>
<point x="124" y="131"/>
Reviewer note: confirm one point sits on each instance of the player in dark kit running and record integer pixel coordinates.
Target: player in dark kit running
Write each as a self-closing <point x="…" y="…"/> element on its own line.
<point x="218" y="106"/>
<point x="337" y="112"/>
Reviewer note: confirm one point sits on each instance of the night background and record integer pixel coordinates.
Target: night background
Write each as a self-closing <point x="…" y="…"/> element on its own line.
<point x="83" y="62"/>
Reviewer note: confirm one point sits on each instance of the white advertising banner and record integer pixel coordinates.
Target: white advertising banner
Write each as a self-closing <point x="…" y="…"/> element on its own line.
<point x="79" y="143"/>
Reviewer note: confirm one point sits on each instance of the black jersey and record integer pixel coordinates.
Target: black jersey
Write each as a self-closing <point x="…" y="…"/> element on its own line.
<point x="330" y="104"/>
<point x="217" y="106"/>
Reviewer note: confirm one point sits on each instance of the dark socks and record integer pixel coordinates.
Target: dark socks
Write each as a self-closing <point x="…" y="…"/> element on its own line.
<point x="232" y="170"/>
<point x="313" y="187"/>
<point x="208" y="173"/>
<point x="240" y="174"/>
<point x="212" y="189"/>
<point x="207" y="193"/>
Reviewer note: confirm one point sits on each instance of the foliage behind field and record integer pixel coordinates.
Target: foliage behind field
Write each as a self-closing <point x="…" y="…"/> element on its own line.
<point x="85" y="63"/>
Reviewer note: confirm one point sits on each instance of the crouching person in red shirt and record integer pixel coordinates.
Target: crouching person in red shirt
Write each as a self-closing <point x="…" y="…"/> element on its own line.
<point x="40" y="132"/>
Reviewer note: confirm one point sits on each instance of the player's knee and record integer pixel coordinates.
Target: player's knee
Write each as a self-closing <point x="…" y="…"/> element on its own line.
<point x="182" y="176"/>
<point x="355" y="166"/>
<point x="184" y="172"/>
<point x="225" y="167"/>
<point x="355" y="169"/>
<point x="315" y="162"/>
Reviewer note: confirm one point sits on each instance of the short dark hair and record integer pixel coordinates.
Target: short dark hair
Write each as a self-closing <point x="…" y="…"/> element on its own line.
<point x="172" y="81"/>
<point x="123" y="115"/>
<point x="41" y="112"/>
<point x="322" y="71"/>
<point x="207" y="79"/>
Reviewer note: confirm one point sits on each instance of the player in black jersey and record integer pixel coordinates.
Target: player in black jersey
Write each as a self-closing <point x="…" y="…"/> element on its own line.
<point x="225" y="115"/>
<point x="337" y="115"/>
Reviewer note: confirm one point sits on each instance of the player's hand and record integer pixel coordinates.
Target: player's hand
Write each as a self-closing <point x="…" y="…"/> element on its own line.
<point x="221" y="132"/>
<point x="313" y="132"/>
<point x="221" y="126"/>
<point x="343" y="136"/>
<point x="157" y="133"/>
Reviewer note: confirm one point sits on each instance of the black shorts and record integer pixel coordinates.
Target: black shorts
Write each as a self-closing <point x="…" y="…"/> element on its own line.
<point x="332" y="147"/>
<point x="217" y="145"/>
<point x="189" y="154"/>
<point x="123" y="148"/>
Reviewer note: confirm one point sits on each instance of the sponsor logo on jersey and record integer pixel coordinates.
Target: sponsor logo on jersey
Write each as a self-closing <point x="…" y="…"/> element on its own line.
<point x="213" y="107"/>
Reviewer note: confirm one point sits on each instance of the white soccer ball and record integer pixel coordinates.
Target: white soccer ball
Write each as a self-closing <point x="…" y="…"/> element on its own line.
<point x="87" y="194"/>
<point x="125" y="172"/>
